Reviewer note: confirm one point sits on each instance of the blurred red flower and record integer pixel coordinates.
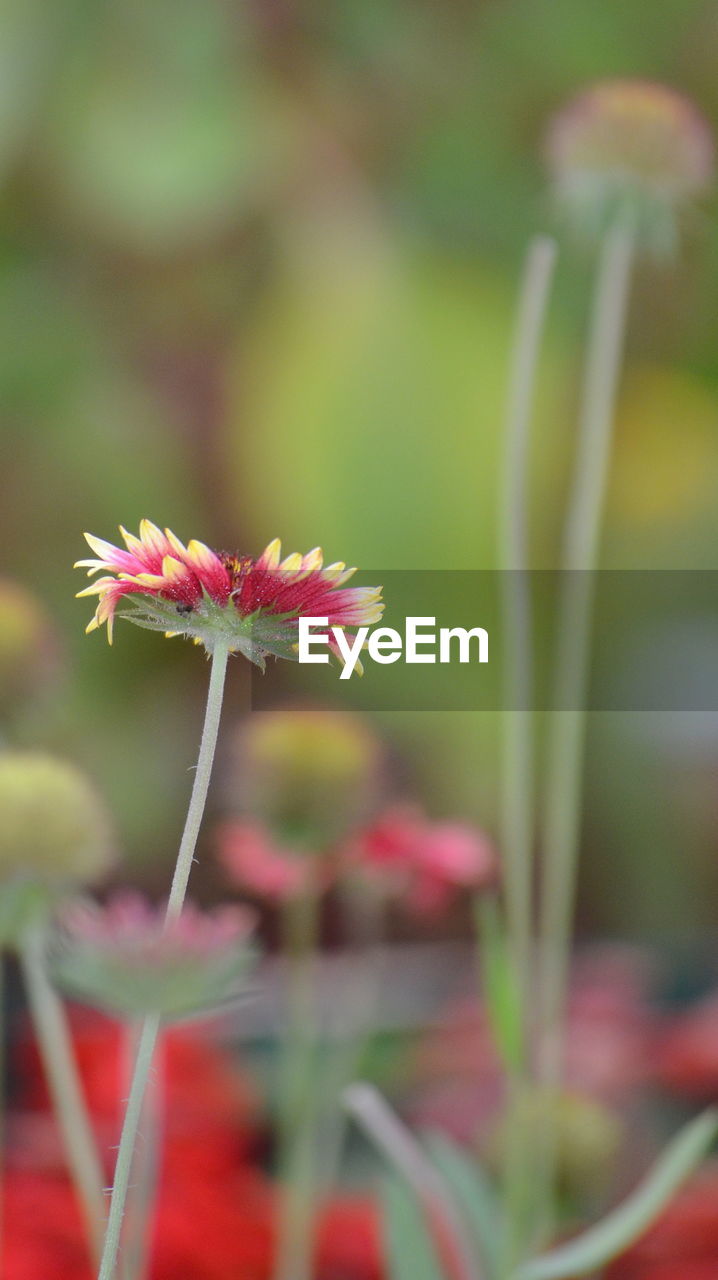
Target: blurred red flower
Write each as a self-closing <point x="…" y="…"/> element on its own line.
<point x="683" y="1245"/>
<point x="349" y="1245"/>
<point x="212" y="1107"/>
<point x="687" y="1060"/>
<point x="215" y="1213"/>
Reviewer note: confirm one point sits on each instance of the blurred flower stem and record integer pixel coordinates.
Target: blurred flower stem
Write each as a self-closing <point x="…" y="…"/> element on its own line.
<point x="297" y="1099"/>
<point x="55" y="1043"/>
<point x="151" y="1025"/>
<point x="354" y="1017"/>
<point x="517" y="747"/>
<point x="567" y="732"/>
<point x="145" y="1172"/>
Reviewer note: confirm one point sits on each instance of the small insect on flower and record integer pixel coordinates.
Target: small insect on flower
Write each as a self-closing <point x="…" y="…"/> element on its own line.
<point x="632" y="149"/>
<point x="252" y="606"/>
<point x="125" y="959"/>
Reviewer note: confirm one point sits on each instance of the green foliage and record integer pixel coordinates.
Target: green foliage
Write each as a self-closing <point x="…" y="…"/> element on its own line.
<point x="409" y="1248"/>
<point x="598" y="1246"/>
<point x="474" y="1195"/>
<point x="500" y="986"/>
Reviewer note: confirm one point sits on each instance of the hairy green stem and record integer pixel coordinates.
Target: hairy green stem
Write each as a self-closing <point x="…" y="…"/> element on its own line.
<point x="517" y="747"/>
<point x="564" y="784"/>
<point x="145" y="1168"/>
<point x="151" y="1024"/>
<point x="55" y="1043"/>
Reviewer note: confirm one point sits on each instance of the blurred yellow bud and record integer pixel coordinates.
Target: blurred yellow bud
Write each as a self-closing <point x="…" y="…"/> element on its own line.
<point x="588" y="1139"/>
<point x="26" y="643"/>
<point x="54" y="828"/>
<point x="309" y="775"/>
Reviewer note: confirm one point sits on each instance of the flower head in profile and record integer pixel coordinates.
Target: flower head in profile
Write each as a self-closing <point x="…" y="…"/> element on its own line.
<point x="125" y="959"/>
<point x="253" y="606"/>
<point x="630" y="148"/>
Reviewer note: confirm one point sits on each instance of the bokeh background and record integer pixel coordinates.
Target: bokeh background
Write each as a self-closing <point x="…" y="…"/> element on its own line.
<point x="258" y="270"/>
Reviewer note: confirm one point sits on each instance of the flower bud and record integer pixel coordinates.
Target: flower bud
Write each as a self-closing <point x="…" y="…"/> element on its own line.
<point x="125" y="959"/>
<point x="588" y="1136"/>
<point x="629" y="149"/>
<point x="26" y="643"/>
<point x="54" y="828"/>
<point x="308" y="775"/>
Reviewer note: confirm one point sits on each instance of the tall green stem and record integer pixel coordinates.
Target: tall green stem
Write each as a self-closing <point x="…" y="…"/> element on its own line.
<point x="58" y="1057"/>
<point x="3" y="1105"/>
<point x="354" y="1007"/>
<point x="151" y="1025"/>
<point x="517" y="769"/>
<point x="564" y="786"/>
<point x="297" y="1092"/>
<point x="145" y="1169"/>
<point x="517" y="781"/>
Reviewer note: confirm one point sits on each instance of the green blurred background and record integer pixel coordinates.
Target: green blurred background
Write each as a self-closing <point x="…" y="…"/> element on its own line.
<point x="259" y="264"/>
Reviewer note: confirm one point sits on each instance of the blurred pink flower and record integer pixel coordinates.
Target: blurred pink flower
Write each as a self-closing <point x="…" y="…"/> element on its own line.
<point x="127" y="958"/>
<point x="425" y="863"/>
<point x="257" y="865"/>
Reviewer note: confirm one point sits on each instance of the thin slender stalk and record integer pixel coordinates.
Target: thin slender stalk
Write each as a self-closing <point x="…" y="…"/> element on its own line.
<point x="297" y="1092"/>
<point x="55" y="1043"/>
<point x="354" y="1007"/>
<point x="145" y="1168"/>
<point x="203" y="772"/>
<point x="151" y="1025"/>
<point x="517" y="789"/>
<point x="517" y="747"/>
<point x="564" y="785"/>
<point x="3" y="1105"/>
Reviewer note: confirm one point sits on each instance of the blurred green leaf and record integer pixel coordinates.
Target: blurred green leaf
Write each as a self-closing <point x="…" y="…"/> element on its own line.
<point x="157" y="142"/>
<point x="410" y="1250"/>
<point x="501" y="989"/>
<point x="600" y="1244"/>
<point x="473" y="1193"/>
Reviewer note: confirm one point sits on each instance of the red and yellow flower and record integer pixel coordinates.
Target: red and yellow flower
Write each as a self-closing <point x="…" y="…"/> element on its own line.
<point x="253" y="605"/>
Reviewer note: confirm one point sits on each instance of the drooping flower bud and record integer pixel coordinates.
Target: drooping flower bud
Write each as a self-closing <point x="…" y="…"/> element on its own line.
<point x="125" y="959"/>
<point x="631" y="150"/>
